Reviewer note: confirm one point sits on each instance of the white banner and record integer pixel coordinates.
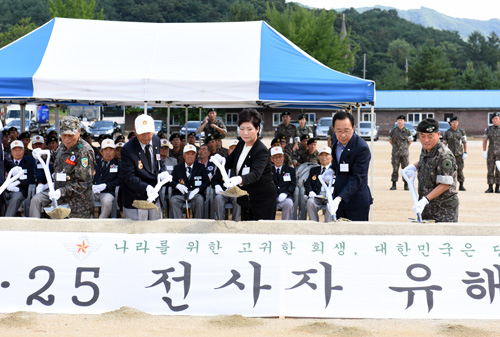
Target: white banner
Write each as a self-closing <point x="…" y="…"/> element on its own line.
<point x="447" y="277"/>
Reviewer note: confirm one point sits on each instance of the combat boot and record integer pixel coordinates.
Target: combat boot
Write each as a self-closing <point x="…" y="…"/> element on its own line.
<point x="462" y="188"/>
<point x="393" y="186"/>
<point x="489" y="190"/>
<point x="406" y="186"/>
<point x="497" y="189"/>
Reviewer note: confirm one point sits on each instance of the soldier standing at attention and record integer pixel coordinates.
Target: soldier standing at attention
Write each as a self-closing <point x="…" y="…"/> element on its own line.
<point x="492" y="134"/>
<point x="289" y="131"/>
<point x="400" y="138"/>
<point x="303" y="129"/>
<point x="437" y="176"/>
<point x="212" y="125"/>
<point x="456" y="140"/>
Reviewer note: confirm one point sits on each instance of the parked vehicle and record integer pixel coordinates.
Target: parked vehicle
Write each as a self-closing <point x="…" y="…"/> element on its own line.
<point x="14" y="113"/>
<point x="365" y="131"/>
<point x="443" y="127"/>
<point x="410" y="127"/>
<point x="192" y="126"/>
<point x="108" y="128"/>
<point x="321" y="130"/>
<point x="160" y="126"/>
<point x="30" y="125"/>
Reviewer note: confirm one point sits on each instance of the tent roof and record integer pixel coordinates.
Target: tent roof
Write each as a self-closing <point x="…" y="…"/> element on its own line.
<point x="230" y="64"/>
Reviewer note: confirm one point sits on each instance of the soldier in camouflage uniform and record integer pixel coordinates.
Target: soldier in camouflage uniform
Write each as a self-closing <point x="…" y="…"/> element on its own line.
<point x="302" y="148"/>
<point x="456" y="140"/>
<point x="331" y="138"/>
<point x="73" y="173"/>
<point x="492" y="134"/>
<point x="279" y="142"/>
<point x="311" y="155"/>
<point x="212" y="125"/>
<point x="400" y="138"/>
<point x="303" y="129"/>
<point x="289" y="132"/>
<point x="437" y="176"/>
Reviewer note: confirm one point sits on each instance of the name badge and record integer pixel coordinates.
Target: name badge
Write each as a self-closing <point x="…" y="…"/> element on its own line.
<point x="246" y="170"/>
<point x="344" y="167"/>
<point x="170" y="168"/>
<point x="291" y="140"/>
<point x="158" y="157"/>
<point x="113" y="169"/>
<point x="287" y="177"/>
<point x="197" y="181"/>
<point x="60" y="176"/>
<point x="25" y="175"/>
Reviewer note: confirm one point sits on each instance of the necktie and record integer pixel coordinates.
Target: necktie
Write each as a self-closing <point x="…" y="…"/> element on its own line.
<point x="278" y="171"/>
<point x="148" y="155"/>
<point x="322" y="170"/>
<point x="188" y="171"/>
<point x="17" y="162"/>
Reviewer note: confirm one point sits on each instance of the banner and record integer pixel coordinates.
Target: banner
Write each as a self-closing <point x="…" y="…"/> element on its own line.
<point x="345" y="276"/>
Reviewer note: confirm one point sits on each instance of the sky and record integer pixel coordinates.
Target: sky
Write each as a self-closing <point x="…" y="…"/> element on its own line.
<point x="477" y="9"/>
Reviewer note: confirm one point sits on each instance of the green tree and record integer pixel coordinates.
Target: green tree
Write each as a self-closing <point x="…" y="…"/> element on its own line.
<point x="399" y="50"/>
<point x="314" y="33"/>
<point x="392" y="78"/>
<point x="17" y="31"/>
<point x="431" y="70"/>
<point x="241" y="11"/>
<point x="76" y="9"/>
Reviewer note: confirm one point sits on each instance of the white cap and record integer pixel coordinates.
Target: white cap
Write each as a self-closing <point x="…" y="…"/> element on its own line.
<point x="108" y="143"/>
<point x="276" y="150"/>
<point x="233" y="142"/>
<point x="164" y="142"/>
<point x="325" y="149"/>
<point x="37" y="139"/>
<point x="120" y="144"/>
<point x="189" y="147"/>
<point x="144" y="123"/>
<point x="16" y="143"/>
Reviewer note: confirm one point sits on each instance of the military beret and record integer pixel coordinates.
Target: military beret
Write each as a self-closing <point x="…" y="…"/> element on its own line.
<point x="13" y="128"/>
<point x="304" y="137"/>
<point x="285" y="113"/>
<point x="5" y="132"/>
<point x="119" y="138"/>
<point x="173" y="136"/>
<point x="101" y="137"/>
<point x="428" y="125"/>
<point x="312" y="141"/>
<point x="192" y="134"/>
<point x="495" y="114"/>
<point x="282" y="138"/>
<point x="209" y="138"/>
<point x="161" y="135"/>
<point x="301" y="116"/>
<point x="84" y="134"/>
<point x="53" y="132"/>
<point x="403" y="117"/>
<point x="275" y="141"/>
<point x="131" y="135"/>
<point x="24" y="135"/>
<point x="217" y="136"/>
<point x="51" y="139"/>
<point x="455" y="118"/>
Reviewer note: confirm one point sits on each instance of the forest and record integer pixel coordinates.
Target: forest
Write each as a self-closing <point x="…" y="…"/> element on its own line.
<point x="376" y="44"/>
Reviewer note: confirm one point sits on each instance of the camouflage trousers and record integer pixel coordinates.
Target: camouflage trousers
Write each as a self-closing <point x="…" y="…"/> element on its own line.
<point x="442" y="210"/>
<point x="493" y="173"/>
<point x="460" y="168"/>
<point x="398" y="160"/>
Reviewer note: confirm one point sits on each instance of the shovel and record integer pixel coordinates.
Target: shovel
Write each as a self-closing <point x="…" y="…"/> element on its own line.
<point x="233" y="192"/>
<point x="148" y="204"/>
<point x="329" y="192"/>
<point x="11" y="178"/>
<point x="56" y="211"/>
<point x="498" y="164"/>
<point x="186" y="196"/>
<point x="412" y="191"/>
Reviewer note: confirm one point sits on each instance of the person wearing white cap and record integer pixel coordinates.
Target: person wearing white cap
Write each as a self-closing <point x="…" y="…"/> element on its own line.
<point x="220" y="200"/>
<point x="285" y="180"/>
<point x="106" y="178"/>
<point x="118" y="151"/>
<point x="170" y="162"/>
<point x="189" y="182"/>
<point x="141" y="169"/>
<point x="315" y="192"/>
<point x="18" y="191"/>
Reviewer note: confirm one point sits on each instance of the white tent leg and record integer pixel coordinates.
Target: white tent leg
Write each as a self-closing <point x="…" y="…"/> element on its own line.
<point x="372" y="117"/>
<point x="168" y="120"/>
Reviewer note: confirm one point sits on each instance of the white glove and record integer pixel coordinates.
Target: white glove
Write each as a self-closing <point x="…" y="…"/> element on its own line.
<point x="13" y="186"/>
<point x="419" y="207"/>
<point x="234" y="181"/>
<point x="36" y="153"/>
<point x="485" y="154"/>
<point x="312" y="194"/>
<point x="282" y="197"/>
<point x="464" y="156"/>
<point x="334" y="206"/>
<point x="41" y="188"/>
<point x="182" y="188"/>
<point x="55" y="195"/>
<point x="165" y="175"/>
<point x="410" y="171"/>
<point x="218" y="158"/>
<point x="193" y="193"/>
<point x="152" y="194"/>
<point x="15" y="170"/>
<point x="218" y="189"/>
<point x="95" y="190"/>
<point x="100" y="187"/>
<point x="328" y="175"/>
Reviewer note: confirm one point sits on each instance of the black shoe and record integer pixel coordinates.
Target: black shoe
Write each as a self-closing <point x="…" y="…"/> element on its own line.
<point x="393" y="186"/>
<point x="406" y="186"/>
<point x="497" y="189"/>
<point x="462" y="188"/>
<point x="489" y="190"/>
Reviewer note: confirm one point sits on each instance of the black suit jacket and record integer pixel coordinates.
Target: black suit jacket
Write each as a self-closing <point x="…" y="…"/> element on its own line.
<point x="103" y="175"/>
<point x="259" y="182"/>
<point x="312" y="183"/>
<point x="352" y="186"/>
<point x="283" y="186"/>
<point x="28" y="164"/>
<point x="198" y="174"/>
<point x="135" y="172"/>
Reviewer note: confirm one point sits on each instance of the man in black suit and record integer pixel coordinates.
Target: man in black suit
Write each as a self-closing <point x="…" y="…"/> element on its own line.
<point x="106" y="178"/>
<point x="190" y="180"/>
<point x="18" y="191"/>
<point x="351" y="160"/>
<point x="314" y="190"/>
<point x="285" y="180"/>
<point x="141" y="169"/>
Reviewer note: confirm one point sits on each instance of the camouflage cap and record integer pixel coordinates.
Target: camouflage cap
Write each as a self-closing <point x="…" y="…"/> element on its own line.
<point x="70" y="125"/>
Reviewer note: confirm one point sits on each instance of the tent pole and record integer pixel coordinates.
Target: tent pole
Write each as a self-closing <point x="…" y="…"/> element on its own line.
<point x="145" y="107"/>
<point x="359" y="118"/>
<point x="168" y="120"/>
<point x="186" y="135"/>
<point x="56" y="119"/>
<point x="23" y="117"/>
<point x="372" y="117"/>
<point x="199" y="142"/>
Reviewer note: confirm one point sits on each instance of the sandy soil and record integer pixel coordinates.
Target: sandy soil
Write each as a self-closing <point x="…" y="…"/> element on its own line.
<point x="390" y="206"/>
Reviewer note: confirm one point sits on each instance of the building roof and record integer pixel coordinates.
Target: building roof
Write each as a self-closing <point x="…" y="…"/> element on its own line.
<point x="435" y="99"/>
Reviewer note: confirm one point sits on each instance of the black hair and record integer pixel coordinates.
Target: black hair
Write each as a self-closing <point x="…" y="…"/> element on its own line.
<point x="341" y="115"/>
<point x="250" y="115"/>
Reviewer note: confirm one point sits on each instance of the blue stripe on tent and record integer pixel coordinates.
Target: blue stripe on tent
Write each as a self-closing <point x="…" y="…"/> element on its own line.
<point x="287" y="74"/>
<point x="20" y="60"/>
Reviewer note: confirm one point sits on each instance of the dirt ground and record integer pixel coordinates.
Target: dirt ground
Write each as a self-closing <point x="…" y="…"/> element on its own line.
<point x="390" y="206"/>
